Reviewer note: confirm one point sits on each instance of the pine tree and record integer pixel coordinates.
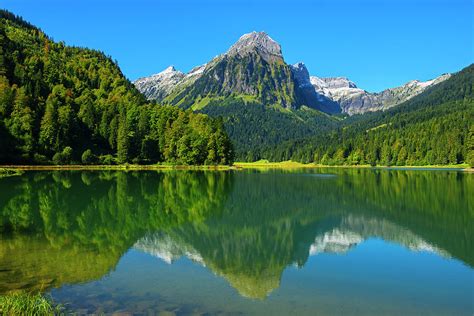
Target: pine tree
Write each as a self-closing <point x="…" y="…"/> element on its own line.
<point x="49" y="127"/>
<point x="123" y="142"/>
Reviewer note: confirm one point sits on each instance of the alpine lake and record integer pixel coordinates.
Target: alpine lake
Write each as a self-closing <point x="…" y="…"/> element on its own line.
<point x="328" y="241"/>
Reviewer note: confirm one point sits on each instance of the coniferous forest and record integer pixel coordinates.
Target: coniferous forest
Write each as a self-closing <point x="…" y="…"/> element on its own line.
<point x="62" y="105"/>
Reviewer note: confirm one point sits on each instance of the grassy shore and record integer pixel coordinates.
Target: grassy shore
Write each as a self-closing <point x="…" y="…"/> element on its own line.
<point x="124" y="167"/>
<point x="292" y="164"/>
<point x="11" y="170"/>
<point x="274" y="165"/>
<point x="28" y="304"/>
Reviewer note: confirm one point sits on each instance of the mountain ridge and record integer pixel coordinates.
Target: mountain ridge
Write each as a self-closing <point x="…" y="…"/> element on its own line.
<point x="253" y="67"/>
<point x="330" y="95"/>
<point x="354" y="100"/>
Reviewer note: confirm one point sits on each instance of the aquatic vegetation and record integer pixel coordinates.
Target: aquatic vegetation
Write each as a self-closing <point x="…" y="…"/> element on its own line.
<point x="22" y="303"/>
<point x="7" y="172"/>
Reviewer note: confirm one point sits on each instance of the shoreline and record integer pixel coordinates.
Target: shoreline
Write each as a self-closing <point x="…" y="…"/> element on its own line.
<point x="115" y="167"/>
<point x="235" y="166"/>
<point x="295" y="165"/>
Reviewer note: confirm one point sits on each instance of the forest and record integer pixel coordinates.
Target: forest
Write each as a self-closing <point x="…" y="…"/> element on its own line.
<point x="64" y="105"/>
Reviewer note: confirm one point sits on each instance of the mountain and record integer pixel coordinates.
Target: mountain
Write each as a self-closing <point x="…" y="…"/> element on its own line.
<point x="262" y="100"/>
<point x="354" y="100"/>
<point x="310" y="94"/>
<point x="253" y="67"/>
<point x="61" y="105"/>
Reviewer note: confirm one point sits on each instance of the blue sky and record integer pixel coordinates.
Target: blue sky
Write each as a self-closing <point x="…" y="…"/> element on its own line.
<point x="376" y="43"/>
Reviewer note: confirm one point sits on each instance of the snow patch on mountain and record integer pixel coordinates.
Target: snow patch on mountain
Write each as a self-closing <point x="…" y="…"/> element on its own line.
<point x="159" y="85"/>
<point x="354" y="100"/>
<point x="335" y="241"/>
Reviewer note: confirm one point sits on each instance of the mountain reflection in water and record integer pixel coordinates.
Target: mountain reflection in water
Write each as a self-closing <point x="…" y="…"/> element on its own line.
<point x="70" y="227"/>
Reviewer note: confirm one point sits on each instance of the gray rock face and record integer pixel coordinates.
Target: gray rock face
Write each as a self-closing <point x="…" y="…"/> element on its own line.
<point x="337" y="83"/>
<point x="258" y="42"/>
<point x="301" y="74"/>
<point x="308" y="94"/>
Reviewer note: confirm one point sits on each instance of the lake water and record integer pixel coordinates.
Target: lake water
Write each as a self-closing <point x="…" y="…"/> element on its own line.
<point x="303" y="242"/>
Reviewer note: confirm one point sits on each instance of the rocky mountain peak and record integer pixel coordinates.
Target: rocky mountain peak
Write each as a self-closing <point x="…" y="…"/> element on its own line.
<point x="169" y="69"/>
<point x="258" y="42"/>
<point x="301" y="74"/>
<point x="159" y="85"/>
<point x="301" y="67"/>
<point x="339" y="82"/>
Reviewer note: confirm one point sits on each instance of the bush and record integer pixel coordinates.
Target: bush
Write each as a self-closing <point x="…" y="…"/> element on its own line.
<point x="63" y="158"/>
<point x="41" y="159"/>
<point x="88" y="157"/>
<point x="107" y="160"/>
<point x="58" y="159"/>
<point x="67" y="155"/>
<point x="5" y="172"/>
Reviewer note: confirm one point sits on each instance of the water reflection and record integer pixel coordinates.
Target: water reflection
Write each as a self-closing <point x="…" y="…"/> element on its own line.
<point x="247" y="227"/>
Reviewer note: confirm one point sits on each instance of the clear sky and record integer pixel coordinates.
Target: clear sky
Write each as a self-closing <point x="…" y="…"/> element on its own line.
<point x="376" y="43"/>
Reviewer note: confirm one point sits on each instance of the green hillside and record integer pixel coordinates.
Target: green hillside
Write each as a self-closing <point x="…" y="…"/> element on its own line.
<point x="253" y="127"/>
<point x="267" y="82"/>
<point x="434" y="128"/>
<point x="61" y="104"/>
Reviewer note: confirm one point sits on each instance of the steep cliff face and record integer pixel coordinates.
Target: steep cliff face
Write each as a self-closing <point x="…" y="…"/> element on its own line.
<point x="309" y="95"/>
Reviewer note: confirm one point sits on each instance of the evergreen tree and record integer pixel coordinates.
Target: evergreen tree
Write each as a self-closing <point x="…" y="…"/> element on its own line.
<point x="123" y="142"/>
